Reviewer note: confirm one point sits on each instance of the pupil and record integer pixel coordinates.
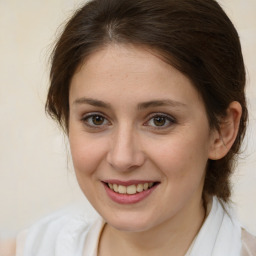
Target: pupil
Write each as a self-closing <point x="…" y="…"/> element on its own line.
<point x="98" y="120"/>
<point x="159" y="121"/>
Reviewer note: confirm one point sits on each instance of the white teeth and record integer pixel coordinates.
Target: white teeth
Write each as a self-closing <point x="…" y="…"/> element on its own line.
<point x="145" y="186"/>
<point x="121" y="189"/>
<point x="115" y="187"/>
<point x="130" y="190"/>
<point x="139" y="187"/>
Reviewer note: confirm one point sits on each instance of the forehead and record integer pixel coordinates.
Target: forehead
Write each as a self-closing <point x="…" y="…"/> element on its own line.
<point x="129" y="70"/>
<point x="122" y="60"/>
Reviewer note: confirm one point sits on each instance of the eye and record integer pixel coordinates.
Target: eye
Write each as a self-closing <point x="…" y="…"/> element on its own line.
<point x="160" y="121"/>
<point x="95" y="120"/>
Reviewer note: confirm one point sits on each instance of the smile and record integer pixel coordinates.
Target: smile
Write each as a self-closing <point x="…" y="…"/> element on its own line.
<point x="129" y="192"/>
<point x="131" y="189"/>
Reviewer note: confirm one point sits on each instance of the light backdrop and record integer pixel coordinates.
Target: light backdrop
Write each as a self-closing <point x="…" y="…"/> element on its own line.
<point x="36" y="176"/>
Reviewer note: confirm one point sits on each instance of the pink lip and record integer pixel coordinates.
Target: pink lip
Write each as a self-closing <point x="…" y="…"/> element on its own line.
<point x="128" y="199"/>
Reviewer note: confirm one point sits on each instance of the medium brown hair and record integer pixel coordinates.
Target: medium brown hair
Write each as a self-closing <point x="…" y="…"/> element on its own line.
<point x="194" y="36"/>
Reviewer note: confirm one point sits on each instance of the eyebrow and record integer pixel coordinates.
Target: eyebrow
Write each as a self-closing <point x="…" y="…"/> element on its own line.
<point x="93" y="102"/>
<point x="143" y="105"/>
<point x="160" y="103"/>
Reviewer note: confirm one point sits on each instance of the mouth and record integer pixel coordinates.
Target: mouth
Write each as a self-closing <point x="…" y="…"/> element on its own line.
<point x="129" y="192"/>
<point x="131" y="189"/>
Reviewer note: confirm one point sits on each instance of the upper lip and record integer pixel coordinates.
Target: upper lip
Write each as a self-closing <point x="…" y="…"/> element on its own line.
<point x="128" y="182"/>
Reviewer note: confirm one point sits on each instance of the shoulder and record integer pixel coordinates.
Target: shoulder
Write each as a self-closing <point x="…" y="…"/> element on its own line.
<point x="248" y="244"/>
<point x="56" y="234"/>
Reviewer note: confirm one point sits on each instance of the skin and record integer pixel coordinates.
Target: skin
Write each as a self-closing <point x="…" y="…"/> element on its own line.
<point x="8" y="247"/>
<point x="128" y="144"/>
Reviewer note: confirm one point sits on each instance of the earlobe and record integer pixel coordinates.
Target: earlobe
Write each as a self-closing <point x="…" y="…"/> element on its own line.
<point x="223" y="139"/>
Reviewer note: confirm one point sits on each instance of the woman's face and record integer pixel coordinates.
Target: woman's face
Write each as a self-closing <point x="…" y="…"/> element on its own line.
<point x="137" y="126"/>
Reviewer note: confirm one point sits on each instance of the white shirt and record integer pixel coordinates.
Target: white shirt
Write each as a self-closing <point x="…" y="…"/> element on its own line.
<point x="73" y="235"/>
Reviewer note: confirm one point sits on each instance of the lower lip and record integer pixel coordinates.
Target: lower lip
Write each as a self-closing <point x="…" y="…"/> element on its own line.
<point x="128" y="199"/>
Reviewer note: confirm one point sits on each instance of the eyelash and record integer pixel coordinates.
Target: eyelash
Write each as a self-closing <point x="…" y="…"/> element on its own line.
<point x="88" y="121"/>
<point x="167" y="119"/>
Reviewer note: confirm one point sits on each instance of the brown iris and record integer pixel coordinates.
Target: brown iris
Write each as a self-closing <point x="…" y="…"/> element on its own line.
<point x="98" y="120"/>
<point x="159" y="121"/>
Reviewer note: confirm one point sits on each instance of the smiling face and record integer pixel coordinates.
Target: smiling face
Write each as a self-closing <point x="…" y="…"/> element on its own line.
<point x="139" y="127"/>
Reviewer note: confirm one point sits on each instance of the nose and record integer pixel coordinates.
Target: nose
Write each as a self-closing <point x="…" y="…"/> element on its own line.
<point x="125" y="152"/>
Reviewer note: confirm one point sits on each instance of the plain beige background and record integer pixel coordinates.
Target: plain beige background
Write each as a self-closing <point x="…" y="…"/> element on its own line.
<point x="36" y="175"/>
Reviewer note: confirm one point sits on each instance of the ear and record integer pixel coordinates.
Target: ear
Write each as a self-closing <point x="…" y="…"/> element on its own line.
<point x="223" y="139"/>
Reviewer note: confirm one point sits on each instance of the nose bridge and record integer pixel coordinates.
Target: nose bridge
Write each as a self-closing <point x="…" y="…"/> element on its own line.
<point x="125" y="150"/>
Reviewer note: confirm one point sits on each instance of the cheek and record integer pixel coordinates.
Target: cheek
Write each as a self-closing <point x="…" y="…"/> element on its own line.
<point x="182" y="165"/>
<point x="87" y="154"/>
<point x="181" y="157"/>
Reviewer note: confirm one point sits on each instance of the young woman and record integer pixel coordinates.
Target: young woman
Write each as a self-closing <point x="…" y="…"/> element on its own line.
<point x="151" y="96"/>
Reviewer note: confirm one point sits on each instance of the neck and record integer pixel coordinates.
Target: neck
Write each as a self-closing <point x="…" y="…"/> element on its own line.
<point x="172" y="237"/>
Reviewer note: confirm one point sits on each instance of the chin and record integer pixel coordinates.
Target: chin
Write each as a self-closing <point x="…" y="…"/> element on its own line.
<point x="130" y="223"/>
<point x="130" y="227"/>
